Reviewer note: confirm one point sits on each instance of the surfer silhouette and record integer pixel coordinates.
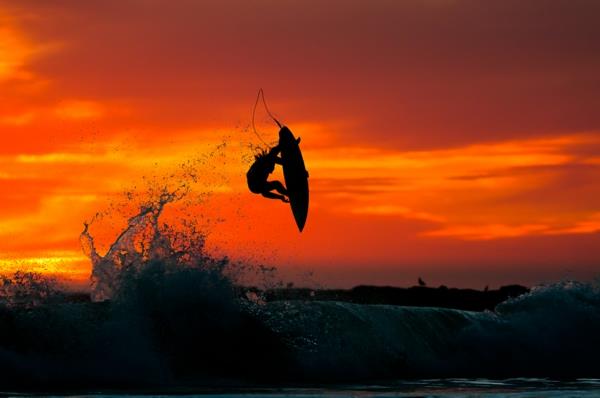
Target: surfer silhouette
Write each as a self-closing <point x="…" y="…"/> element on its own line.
<point x="295" y="191"/>
<point x="258" y="175"/>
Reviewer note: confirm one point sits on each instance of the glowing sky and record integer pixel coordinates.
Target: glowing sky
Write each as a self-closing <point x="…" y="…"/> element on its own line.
<point x="454" y="140"/>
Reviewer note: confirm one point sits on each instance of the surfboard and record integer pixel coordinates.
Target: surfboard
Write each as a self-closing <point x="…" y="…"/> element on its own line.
<point x="295" y="174"/>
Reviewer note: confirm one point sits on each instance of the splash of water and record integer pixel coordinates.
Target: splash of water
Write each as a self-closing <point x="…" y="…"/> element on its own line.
<point x="28" y="289"/>
<point x="147" y="239"/>
<point x="141" y="242"/>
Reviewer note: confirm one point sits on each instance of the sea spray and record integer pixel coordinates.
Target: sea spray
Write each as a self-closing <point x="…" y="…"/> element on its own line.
<point x="147" y="238"/>
<point x="142" y="242"/>
<point x="29" y="289"/>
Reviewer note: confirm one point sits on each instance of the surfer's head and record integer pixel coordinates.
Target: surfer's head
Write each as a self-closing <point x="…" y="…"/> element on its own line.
<point x="264" y="160"/>
<point x="261" y="154"/>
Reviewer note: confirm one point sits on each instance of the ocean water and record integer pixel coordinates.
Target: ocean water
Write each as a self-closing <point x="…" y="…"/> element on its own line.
<point x="443" y="388"/>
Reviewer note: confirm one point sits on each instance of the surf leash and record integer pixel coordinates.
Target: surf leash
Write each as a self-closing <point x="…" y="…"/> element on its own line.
<point x="261" y="94"/>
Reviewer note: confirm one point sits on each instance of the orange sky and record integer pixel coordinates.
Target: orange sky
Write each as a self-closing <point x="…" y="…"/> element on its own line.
<point x="445" y="139"/>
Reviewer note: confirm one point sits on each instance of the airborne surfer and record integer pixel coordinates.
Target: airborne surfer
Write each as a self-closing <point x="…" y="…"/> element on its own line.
<point x="257" y="176"/>
<point x="295" y="190"/>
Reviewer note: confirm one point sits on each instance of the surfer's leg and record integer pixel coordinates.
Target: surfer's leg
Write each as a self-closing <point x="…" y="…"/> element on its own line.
<point x="278" y="186"/>
<point x="272" y="195"/>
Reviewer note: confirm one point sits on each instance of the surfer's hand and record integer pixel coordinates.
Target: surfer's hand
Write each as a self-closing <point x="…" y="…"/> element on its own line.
<point x="285" y="200"/>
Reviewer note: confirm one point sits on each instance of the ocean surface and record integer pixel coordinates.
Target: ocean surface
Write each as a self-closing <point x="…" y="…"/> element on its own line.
<point x="443" y="388"/>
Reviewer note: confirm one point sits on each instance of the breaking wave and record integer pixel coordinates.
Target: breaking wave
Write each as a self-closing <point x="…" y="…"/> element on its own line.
<point x="553" y="331"/>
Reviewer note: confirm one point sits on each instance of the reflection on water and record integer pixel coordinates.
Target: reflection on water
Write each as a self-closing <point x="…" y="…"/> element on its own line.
<point x="444" y="388"/>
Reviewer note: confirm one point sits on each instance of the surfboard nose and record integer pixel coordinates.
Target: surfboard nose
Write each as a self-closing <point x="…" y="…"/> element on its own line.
<point x="285" y="135"/>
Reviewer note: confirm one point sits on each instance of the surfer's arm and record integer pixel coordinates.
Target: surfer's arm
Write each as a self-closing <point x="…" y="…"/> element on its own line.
<point x="273" y="154"/>
<point x="275" y="150"/>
